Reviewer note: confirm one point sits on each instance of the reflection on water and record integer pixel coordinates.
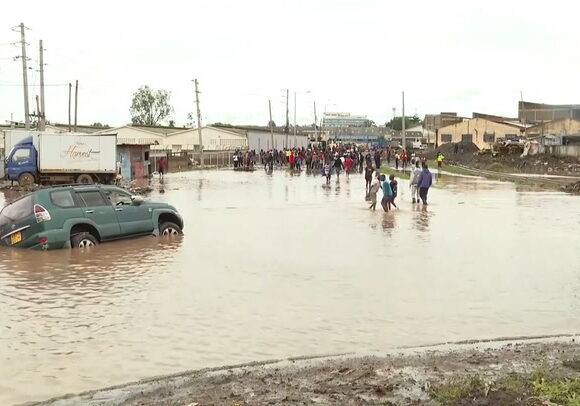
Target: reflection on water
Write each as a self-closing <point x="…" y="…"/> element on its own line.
<point x="274" y="265"/>
<point x="388" y="222"/>
<point x="422" y="217"/>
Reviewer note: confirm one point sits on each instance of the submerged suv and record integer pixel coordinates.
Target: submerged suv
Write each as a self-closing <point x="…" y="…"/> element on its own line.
<point x="82" y="216"/>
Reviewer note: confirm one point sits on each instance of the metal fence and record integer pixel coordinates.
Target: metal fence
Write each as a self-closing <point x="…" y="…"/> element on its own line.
<point x="183" y="161"/>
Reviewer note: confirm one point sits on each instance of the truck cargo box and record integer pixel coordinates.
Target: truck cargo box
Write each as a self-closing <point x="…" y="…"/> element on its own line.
<point x="60" y="153"/>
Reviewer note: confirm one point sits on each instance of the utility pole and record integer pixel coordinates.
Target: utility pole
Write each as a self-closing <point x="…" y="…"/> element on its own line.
<point x="287" y="116"/>
<point x="42" y="118"/>
<point x="315" y="122"/>
<point x="24" y="75"/>
<point x="295" y="141"/>
<point x="523" y="111"/>
<point x="403" y="125"/>
<point x="69" y="94"/>
<point x="270" y="124"/>
<point x="37" y="113"/>
<point x="76" y="102"/>
<point x="199" y="124"/>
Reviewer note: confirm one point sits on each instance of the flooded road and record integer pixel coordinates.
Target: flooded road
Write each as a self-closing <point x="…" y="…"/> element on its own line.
<point x="278" y="266"/>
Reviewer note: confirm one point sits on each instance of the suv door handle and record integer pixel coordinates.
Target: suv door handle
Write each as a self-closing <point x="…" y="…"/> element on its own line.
<point x="89" y="211"/>
<point x="119" y="209"/>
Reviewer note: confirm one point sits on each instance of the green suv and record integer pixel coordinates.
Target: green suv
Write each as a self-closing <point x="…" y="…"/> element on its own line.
<point x="80" y="216"/>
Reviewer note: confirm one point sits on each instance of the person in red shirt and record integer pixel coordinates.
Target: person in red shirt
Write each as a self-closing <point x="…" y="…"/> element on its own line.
<point x="348" y="164"/>
<point x="291" y="159"/>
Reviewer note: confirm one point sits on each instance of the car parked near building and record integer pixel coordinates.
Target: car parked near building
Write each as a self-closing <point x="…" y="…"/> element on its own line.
<point x="81" y="216"/>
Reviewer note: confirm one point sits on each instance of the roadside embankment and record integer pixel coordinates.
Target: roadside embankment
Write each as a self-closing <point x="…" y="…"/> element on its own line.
<point x="542" y="371"/>
<point x="542" y="164"/>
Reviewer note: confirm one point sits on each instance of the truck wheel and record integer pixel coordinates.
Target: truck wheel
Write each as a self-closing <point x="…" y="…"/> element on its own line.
<point x="26" y="179"/>
<point x="85" y="179"/>
<point x="83" y="240"/>
<point x="168" y="229"/>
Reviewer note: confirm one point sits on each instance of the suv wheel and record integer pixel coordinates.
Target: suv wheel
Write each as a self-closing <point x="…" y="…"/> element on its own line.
<point x="83" y="240"/>
<point x="169" y="229"/>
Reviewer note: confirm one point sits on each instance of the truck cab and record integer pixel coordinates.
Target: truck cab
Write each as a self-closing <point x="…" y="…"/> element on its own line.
<point x="21" y="162"/>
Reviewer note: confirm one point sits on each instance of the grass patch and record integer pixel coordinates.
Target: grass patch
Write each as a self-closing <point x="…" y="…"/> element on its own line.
<point x="514" y="382"/>
<point x="497" y="167"/>
<point x="542" y="384"/>
<point x="458" y="389"/>
<point x="563" y="392"/>
<point x="449" y="168"/>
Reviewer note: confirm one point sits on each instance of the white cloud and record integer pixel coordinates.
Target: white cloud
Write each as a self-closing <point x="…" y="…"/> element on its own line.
<point x="352" y="55"/>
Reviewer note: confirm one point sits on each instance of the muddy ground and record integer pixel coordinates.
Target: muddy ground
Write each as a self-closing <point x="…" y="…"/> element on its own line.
<point x="543" y="372"/>
<point x="512" y="163"/>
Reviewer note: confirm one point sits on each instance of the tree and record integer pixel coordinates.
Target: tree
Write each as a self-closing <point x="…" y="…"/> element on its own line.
<point x="271" y="123"/>
<point x="149" y="106"/>
<point x="397" y="122"/>
<point x="190" y="121"/>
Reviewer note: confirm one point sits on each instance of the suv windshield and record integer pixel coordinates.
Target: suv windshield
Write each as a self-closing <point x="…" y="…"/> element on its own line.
<point x="18" y="210"/>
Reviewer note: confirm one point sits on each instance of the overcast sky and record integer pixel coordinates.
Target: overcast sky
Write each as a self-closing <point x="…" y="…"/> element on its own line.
<point x="355" y="56"/>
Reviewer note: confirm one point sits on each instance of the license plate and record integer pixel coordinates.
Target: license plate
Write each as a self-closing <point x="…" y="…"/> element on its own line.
<point x="16" y="238"/>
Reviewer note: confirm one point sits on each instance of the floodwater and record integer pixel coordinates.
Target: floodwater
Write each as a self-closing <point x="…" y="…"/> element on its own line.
<point x="278" y="266"/>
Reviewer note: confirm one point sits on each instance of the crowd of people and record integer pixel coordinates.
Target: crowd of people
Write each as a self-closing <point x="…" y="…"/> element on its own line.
<point x="348" y="159"/>
<point x="244" y="159"/>
<point x="420" y="181"/>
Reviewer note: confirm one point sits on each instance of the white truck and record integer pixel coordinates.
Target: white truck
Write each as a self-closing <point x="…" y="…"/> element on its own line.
<point x="37" y="157"/>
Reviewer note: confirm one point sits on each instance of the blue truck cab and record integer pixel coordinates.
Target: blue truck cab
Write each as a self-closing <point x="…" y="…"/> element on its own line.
<point x="22" y="162"/>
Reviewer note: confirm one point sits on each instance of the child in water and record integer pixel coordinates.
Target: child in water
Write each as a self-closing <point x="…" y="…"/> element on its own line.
<point x="394" y="187"/>
<point x="373" y="190"/>
<point x="327" y="172"/>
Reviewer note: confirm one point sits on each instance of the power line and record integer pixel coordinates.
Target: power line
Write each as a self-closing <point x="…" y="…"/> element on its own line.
<point x="33" y="85"/>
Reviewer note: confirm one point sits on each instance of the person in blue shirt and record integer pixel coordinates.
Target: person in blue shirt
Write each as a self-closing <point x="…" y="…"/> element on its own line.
<point x="424" y="183"/>
<point x="387" y="193"/>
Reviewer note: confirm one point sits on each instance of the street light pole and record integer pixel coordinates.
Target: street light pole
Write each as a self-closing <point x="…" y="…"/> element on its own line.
<point x="199" y="124"/>
<point x="295" y="142"/>
<point x="403" y="125"/>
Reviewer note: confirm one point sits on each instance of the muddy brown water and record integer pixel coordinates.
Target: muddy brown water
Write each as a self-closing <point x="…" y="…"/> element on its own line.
<point x="278" y="266"/>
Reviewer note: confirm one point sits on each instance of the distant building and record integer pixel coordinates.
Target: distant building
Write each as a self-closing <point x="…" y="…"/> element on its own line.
<point x="337" y="120"/>
<point x="133" y="150"/>
<point x="561" y="127"/>
<point x="479" y="131"/>
<point x="433" y="122"/>
<point x="360" y="133"/>
<point x="538" y="112"/>
<point x="213" y="138"/>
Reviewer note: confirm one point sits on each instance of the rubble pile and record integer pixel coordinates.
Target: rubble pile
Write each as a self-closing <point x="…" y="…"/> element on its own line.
<point x="573" y="188"/>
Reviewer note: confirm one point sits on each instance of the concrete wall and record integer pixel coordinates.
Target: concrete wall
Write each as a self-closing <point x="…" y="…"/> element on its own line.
<point x="261" y="140"/>
<point x="475" y="129"/>
<point x="559" y="127"/>
<point x="563" y="150"/>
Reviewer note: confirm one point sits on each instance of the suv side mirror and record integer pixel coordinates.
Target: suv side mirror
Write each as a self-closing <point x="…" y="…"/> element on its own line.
<point x="137" y="200"/>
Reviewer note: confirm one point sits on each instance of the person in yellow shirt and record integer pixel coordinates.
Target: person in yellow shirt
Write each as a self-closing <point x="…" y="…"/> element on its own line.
<point x="440" y="158"/>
